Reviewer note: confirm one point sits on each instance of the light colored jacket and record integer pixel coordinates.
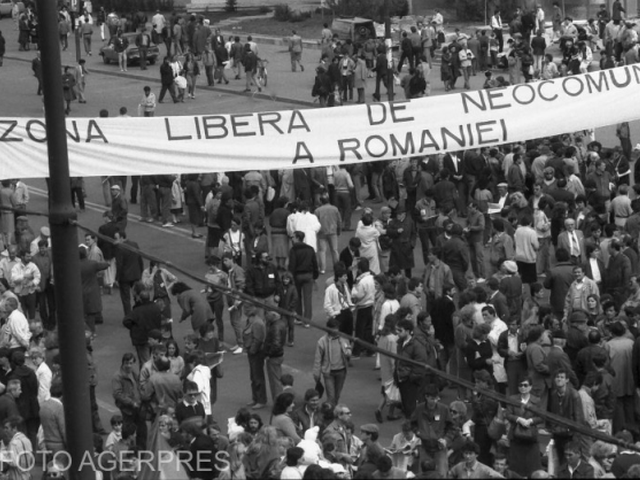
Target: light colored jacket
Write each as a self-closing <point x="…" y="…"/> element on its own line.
<point x="322" y="362"/>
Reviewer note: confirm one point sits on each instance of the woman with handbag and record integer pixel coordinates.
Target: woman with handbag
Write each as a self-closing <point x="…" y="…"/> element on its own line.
<point x="524" y="450"/>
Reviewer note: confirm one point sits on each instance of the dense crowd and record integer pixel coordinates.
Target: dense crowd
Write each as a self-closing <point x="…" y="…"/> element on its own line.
<point x="496" y="228"/>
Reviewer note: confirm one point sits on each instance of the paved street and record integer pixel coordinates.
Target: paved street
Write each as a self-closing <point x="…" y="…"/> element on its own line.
<point x="108" y="88"/>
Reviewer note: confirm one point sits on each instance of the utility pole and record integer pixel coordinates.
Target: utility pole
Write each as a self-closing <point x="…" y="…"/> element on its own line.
<point x="389" y="50"/>
<point x="66" y="261"/>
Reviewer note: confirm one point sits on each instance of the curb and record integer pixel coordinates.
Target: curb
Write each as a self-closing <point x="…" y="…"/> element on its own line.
<point x="218" y="88"/>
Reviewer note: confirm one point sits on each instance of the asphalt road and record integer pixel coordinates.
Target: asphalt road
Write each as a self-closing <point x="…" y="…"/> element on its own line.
<point x="108" y="88"/>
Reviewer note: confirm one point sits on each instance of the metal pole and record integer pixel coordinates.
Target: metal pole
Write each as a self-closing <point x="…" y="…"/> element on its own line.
<point x="66" y="262"/>
<point x="387" y="42"/>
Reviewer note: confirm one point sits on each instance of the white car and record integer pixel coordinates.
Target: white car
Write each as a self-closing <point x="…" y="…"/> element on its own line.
<point x="6" y="6"/>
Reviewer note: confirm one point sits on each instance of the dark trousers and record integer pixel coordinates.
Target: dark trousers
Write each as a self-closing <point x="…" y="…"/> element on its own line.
<point x="408" y="56"/>
<point x="343" y="202"/>
<point x="28" y="303"/>
<point x="409" y="393"/>
<point x="424" y="244"/>
<point x="125" y="296"/>
<point x="498" y="32"/>
<point x="209" y="71"/>
<point x="304" y="286"/>
<point x="380" y="78"/>
<point x="148" y="202"/>
<point x="623" y="413"/>
<point x="364" y="325"/>
<point x="77" y="194"/>
<point x="47" y="306"/>
<point x="172" y="91"/>
<point x="256" y="374"/>
<point x="165" y="204"/>
<point x="143" y="352"/>
<point x="217" y="307"/>
<point x="137" y="416"/>
<point x="459" y="278"/>
<point x="143" y="57"/>
<point x="135" y="182"/>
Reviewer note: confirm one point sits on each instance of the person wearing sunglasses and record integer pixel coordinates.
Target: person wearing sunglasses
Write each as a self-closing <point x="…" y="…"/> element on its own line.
<point x="524" y="452"/>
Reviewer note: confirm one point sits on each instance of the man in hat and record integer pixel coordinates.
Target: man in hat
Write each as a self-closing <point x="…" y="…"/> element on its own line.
<point x="372" y="451"/>
<point x="119" y="207"/>
<point x="502" y="196"/>
<point x="557" y="359"/>
<point x="45" y="234"/>
<point x="470" y="467"/>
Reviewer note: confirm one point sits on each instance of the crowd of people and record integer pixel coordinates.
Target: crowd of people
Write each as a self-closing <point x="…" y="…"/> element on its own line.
<point x="496" y="228"/>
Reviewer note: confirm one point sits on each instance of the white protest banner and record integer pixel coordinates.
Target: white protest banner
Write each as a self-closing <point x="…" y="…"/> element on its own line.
<point x="320" y="137"/>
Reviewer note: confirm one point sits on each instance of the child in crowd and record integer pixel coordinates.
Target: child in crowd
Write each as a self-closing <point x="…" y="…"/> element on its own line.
<point x="116" y="431"/>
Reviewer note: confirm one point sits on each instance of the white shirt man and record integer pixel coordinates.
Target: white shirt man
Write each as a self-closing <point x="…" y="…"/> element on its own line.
<point x="305" y="222"/>
<point x="158" y="21"/>
<point x="16" y="332"/>
<point x="25" y="276"/>
<point x="43" y="374"/>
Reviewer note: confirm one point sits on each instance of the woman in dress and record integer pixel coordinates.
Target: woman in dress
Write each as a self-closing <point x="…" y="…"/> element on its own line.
<point x="524" y="450"/>
<point x="279" y="237"/>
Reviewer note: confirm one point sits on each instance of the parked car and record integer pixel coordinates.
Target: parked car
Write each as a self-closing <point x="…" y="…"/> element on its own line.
<point x="133" y="54"/>
<point x="6" y="6"/>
